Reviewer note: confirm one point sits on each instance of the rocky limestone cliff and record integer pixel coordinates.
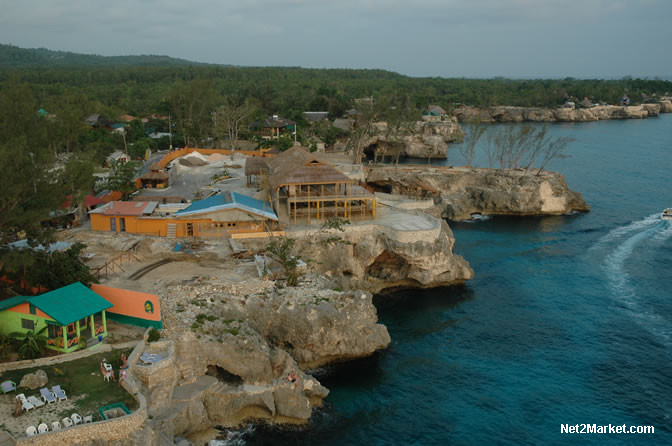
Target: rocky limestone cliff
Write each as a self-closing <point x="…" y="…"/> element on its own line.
<point x="229" y="347"/>
<point x="460" y="192"/>
<point x="428" y="140"/>
<point x="384" y="255"/>
<point x="531" y="114"/>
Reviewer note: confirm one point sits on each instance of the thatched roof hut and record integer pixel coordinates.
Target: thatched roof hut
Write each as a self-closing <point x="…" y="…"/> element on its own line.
<point x="298" y="166"/>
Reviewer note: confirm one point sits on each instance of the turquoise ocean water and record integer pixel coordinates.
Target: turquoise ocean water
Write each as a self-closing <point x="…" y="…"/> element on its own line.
<point x="568" y="320"/>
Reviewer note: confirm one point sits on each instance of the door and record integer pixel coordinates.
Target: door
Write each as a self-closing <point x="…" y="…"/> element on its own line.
<point x="113" y="224"/>
<point x="190" y="229"/>
<point x="122" y="224"/>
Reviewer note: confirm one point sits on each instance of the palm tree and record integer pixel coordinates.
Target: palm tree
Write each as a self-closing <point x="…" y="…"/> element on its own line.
<point x="32" y="343"/>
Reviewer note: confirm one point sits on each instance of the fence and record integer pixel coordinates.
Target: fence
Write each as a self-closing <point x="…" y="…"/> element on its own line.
<point x="115" y="263"/>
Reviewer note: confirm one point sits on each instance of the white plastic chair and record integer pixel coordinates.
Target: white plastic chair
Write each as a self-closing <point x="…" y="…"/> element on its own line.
<point x="88" y="419"/>
<point x="25" y="404"/>
<point x="30" y="431"/>
<point x="55" y="426"/>
<point x="67" y="422"/>
<point x="42" y="428"/>
<point x="76" y="419"/>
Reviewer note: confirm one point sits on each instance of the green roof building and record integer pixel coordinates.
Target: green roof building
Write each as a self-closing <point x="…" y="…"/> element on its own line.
<point x="73" y="315"/>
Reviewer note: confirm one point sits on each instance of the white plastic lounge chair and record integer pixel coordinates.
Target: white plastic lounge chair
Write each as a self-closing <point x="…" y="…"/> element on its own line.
<point x="88" y="419"/>
<point x="107" y="376"/>
<point x="35" y="401"/>
<point x="30" y="431"/>
<point x="47" y="396"/>
<point x="59" y="393"/>
<point x="55" y="426"/>
<point x="42" y="428"/>
<point x="67" y="422"/>
<point x="76" y="419"/>
<point x="8" y="386"/>
<point x="27" y="405"/>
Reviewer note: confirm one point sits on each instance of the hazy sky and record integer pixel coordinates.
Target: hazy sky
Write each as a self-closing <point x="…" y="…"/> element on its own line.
<point x="471" y="38"/>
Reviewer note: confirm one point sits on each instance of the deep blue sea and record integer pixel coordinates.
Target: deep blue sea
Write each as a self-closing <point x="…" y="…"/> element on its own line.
<point x="567" y="321"/>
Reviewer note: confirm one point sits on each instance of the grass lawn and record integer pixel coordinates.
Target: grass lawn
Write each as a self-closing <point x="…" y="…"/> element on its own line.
<point x="82" y="381"/>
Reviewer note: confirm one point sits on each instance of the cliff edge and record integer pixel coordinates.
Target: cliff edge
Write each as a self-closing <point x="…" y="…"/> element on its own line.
<point x="534" y="114"/>
<point x="460" y="192"/>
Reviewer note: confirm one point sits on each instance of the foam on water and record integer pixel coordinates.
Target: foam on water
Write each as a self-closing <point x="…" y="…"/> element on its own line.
<point x="234" y="437"/>
<point x="621" y="231"/>
<point x="648" y="233"/>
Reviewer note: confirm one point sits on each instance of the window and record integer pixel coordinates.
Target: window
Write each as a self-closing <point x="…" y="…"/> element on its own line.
<point x="71" y="329"/>
<point x="33" y="310"/>
<point x="53" y="331"/>
<point x="28" y="324"/>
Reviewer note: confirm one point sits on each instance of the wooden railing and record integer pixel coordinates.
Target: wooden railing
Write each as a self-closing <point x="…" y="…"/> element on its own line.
<point x="114" y="264"/>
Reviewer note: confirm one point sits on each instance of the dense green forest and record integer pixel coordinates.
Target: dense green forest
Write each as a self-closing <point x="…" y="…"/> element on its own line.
<point x="142" y="85"/>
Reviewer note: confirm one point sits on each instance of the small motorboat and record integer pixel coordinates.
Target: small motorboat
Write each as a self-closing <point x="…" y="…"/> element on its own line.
<point x="667" y="214"/>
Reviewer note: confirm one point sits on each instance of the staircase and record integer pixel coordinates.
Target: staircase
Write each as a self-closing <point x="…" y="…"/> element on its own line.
<point x="171" y="231"/>
<point x="188" y="375"/>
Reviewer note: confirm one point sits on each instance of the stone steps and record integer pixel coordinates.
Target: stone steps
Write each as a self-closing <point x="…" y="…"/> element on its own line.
<point x="188" y="375"/>
<point x="191" y="391"/>
<point x="170" y="412"/>
<point x="6" y="440"/>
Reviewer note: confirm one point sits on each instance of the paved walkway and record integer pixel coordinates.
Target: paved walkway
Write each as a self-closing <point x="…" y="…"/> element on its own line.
<point x="402" y="220"/>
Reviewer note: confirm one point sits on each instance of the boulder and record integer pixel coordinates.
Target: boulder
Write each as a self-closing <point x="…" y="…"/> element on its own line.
<point x="35" y="380"/>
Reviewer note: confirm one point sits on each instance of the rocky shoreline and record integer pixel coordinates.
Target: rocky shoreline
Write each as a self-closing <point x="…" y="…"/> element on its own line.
<point x="458" y="193"/>
<point x="534" y="114"/>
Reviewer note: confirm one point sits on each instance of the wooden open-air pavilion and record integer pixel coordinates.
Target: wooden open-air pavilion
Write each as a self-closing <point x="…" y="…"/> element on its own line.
<point x="313" y="190"/>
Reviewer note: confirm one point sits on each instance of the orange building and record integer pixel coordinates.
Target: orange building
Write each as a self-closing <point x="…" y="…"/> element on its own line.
<point x="131" y="307"/>
<point x="217" y="216"/>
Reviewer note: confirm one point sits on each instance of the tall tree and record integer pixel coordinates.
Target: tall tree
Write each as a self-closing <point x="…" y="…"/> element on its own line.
<point x="122" y="178"/>
<point x="232" y="119"/>
<point x="474" y="131"/>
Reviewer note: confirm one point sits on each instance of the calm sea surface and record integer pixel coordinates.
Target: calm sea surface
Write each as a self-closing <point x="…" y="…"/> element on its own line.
<point x="568" y="320"/>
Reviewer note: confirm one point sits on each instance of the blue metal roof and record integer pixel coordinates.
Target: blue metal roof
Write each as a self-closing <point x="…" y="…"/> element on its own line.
<point x="12" y="302"/>
<point x="70" y="303"/>
<point x="229" y="200"/>
<point x="65" y="305"/>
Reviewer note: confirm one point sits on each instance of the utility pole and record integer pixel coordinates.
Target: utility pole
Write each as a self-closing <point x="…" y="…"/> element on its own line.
<point x="123" y="136"/>
<point x="170" y="132"/>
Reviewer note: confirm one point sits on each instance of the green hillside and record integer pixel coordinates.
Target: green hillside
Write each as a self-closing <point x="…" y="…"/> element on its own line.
<point x="14" y="57"/>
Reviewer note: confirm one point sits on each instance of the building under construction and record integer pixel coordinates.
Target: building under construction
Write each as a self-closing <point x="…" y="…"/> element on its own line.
<point x="306" y="189"/>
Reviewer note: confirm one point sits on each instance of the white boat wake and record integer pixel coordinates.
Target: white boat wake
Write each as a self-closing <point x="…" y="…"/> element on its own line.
<point x="619" y="232"/>
<point x="650" y="233"/>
